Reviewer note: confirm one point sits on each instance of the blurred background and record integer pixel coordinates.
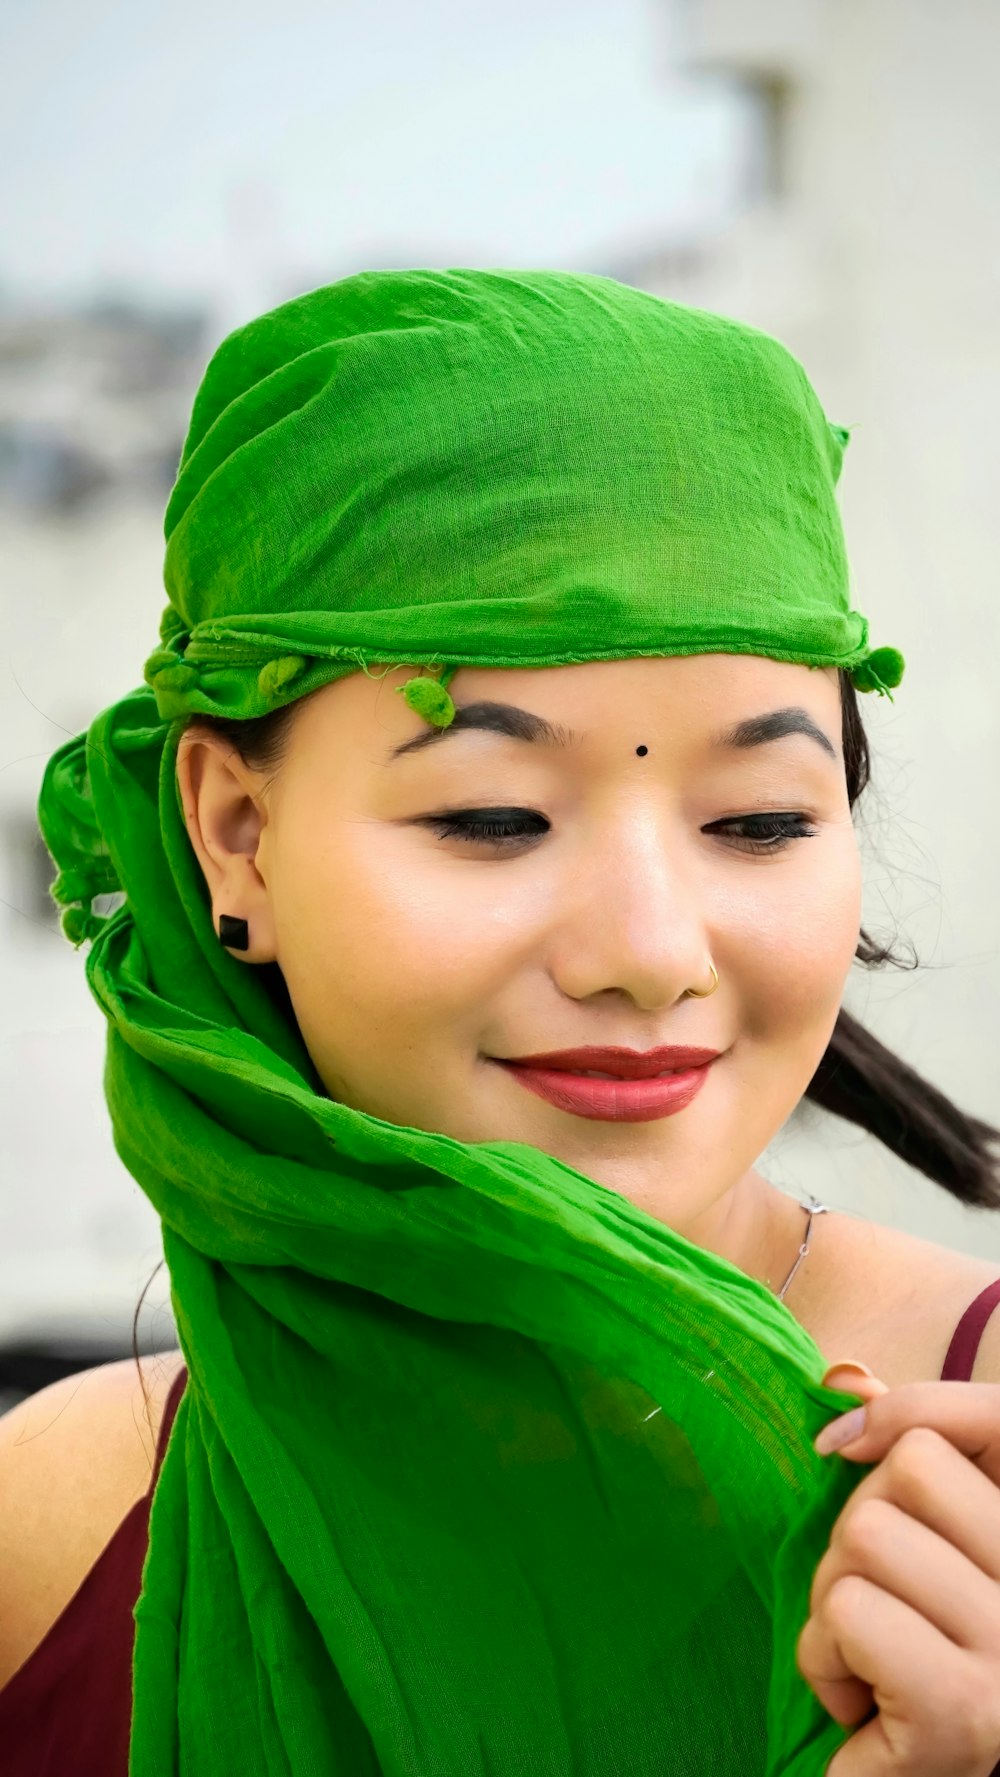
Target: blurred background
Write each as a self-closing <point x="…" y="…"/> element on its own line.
<point x="827" y="170"/>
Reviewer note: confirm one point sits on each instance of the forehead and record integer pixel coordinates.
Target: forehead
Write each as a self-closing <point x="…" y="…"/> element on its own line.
<point x="688" y="678"/>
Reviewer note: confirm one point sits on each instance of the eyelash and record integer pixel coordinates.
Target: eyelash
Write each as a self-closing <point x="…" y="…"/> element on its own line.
<point x="466" y="823"/>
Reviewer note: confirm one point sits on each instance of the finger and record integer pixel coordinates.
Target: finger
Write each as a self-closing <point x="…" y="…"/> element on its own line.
<point x="966" y="1413"/>
<point x="849" y="1699"/>
<point x="936" y="1703"/>
<point x="929" y="1480"/>
<point x="851" y="1378"/>
<point x="922" y="1569"/>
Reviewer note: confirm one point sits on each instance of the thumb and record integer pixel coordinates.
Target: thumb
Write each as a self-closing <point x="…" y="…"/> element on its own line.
<point x="854" y="1378"/>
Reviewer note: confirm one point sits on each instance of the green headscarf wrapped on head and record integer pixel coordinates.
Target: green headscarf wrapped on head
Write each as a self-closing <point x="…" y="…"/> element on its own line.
<point x="497" y="469"/>
<point x="480" y="1469"/>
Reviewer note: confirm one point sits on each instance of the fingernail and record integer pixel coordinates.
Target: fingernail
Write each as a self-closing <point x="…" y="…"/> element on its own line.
<point x="840" y="1431"/>
<point x="846" y="1363"/>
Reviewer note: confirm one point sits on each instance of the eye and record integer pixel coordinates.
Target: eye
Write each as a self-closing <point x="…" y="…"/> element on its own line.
<point x="517" y="826"/>
<point x="769" y="832"/>
<point x="494" y="826"/>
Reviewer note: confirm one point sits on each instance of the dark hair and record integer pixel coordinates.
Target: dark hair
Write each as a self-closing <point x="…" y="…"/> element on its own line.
<point x="858" y="1078"/>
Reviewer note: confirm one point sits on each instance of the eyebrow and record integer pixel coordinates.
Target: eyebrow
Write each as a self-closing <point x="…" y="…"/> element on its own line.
<point x="518" y="724"/>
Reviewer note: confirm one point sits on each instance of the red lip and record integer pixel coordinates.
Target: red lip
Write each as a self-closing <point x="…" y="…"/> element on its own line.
<point x="612" y="1101"/>
<point x="628" y="1064"/>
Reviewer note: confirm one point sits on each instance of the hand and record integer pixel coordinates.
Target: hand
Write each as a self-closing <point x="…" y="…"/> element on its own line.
<point x="905" y="1604"/>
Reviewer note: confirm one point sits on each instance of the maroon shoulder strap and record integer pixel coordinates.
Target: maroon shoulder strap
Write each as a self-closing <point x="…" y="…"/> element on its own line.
<point x="958" y="1364"/>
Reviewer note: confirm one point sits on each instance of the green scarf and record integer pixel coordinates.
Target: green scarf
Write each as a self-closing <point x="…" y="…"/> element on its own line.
<point x="480" y="1471"/>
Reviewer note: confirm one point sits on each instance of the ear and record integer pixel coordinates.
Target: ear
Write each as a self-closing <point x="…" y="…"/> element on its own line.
<point x="226" y="814"/>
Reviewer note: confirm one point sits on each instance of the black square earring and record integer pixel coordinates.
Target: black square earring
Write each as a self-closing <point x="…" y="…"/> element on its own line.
<point x="233" y="933"/>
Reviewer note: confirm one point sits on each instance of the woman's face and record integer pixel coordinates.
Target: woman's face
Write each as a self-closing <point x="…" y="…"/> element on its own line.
<point x="414" y="959"/>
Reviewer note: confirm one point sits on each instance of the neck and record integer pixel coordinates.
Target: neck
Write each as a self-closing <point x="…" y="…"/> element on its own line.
<point x="759" y="1229"/>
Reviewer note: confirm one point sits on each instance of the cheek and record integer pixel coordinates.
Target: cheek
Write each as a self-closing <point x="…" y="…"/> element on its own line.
<point x="366" y="925"/>
<point x="797" y="945"/>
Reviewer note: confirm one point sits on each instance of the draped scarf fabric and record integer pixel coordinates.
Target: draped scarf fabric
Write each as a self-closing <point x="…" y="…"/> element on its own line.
<point x="481" y="1470"/>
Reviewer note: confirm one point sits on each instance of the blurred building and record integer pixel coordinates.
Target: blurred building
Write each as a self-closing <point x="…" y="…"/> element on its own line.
<point x="92" y="399"/>
<point x="867" y="238"/>
<point x="94" y="403"/>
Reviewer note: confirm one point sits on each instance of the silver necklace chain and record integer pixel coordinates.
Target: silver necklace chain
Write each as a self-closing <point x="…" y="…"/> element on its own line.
<point x="813" y="1208"/>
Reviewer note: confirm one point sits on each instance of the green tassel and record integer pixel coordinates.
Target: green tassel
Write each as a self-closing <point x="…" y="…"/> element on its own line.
<point x="429" y="699"/>
<point x="74" y="885"/>
<point x="882" y="670"/>
<point x="160" y="658"/>
<point x="272" y="678"/>
<point x="78" y="923"/>
<point x="178" y="677"/>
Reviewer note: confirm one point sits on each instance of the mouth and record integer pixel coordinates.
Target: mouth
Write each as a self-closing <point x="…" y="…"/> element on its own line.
<point x="612" y="1098"/>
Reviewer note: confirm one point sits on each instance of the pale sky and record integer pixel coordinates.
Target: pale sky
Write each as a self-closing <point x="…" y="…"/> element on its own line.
<point x="193" y="148"/>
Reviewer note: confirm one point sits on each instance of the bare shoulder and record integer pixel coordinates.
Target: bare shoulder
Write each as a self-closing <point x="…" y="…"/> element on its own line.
<point x="893" y="1300"/>
<point x="74" y="1458"/>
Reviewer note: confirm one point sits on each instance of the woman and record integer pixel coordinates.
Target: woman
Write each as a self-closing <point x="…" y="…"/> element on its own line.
<point x="490" y="1443"/>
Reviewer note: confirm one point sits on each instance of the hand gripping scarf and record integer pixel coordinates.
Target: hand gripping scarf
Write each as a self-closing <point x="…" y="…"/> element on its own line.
<point x="481" y="1471"/>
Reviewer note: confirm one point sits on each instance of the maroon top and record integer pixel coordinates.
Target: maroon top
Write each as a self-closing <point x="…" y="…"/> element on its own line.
<point x="66" y="1712"/>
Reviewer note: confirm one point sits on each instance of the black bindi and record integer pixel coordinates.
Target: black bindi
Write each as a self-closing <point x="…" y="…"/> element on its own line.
<point x="641" y="750"/>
